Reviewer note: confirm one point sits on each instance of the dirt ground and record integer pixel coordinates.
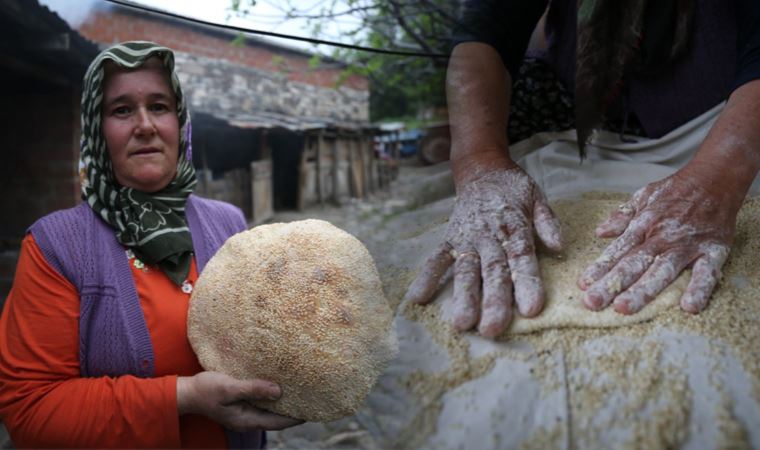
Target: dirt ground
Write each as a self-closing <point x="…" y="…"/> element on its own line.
<point x="413" y="209"/>
<point x="677" y="381"/>
<point x="367" y="218"/>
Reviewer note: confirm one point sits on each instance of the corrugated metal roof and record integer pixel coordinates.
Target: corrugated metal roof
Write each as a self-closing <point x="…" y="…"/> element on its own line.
<point x="37" y="41"/>
<point x="268" y="120"/>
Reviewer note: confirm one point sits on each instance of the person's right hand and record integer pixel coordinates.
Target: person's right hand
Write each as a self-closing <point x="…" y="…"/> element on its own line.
<point x="225" y="400"/>
<point x="489" y="240"/>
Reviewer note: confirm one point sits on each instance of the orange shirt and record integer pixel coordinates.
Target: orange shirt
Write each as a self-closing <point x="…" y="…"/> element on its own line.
<point x="43" y="400"/>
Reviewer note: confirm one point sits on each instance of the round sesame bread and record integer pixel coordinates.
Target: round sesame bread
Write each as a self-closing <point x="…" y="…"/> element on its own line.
<point x="299" y="304"/>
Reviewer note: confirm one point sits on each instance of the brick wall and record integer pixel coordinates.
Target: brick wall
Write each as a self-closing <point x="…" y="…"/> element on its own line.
<point x="38" y="175"/>
<point x="116" y="24"/>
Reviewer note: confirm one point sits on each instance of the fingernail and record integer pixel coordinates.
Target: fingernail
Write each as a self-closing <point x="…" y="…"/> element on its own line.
<point x="529" y="309"/>
<point x="623" y="306"/>
<point x="593" y="301"/>
<point x="691" y="306"/>
<point x="554" y="243"/>
<point x="491" y="328"/>
<point x="488" y="332"/>
<point x="465" y="322"/>
<point x="530" y="302"/>
<point x="276" y="391"/>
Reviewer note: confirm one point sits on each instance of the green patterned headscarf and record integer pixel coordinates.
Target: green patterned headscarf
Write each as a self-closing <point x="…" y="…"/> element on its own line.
<point x="153" y="225"/>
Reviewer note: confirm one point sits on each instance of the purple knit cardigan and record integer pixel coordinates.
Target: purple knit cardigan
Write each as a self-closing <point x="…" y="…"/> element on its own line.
<point x="113" y="335"/>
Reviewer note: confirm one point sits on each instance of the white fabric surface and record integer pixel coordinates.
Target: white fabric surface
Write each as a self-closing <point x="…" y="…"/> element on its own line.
<point x="552" y="158"/>
<point x="506" y="407"/>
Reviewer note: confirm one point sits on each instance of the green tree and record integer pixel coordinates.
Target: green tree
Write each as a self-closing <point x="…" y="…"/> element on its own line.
<point x="400" y="86"/>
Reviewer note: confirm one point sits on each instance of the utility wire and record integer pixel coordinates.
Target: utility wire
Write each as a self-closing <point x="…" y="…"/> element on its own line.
<point x="273" y="34"/>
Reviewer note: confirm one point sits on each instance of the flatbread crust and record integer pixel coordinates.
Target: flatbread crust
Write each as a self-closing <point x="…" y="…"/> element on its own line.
<point x="299" y="304"/>
<point x="564" y="307"/>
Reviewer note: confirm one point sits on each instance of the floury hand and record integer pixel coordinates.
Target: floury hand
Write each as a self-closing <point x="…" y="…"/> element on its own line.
<point x="664" y="228"/>
<point x="489" y="240"/>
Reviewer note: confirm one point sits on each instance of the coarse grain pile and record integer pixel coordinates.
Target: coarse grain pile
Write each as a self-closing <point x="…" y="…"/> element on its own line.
<point x="300" y="304"/>
<point x="636" y="367"/>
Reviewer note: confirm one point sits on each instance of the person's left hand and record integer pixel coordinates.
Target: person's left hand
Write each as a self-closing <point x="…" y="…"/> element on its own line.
<point x="665" y="227"/>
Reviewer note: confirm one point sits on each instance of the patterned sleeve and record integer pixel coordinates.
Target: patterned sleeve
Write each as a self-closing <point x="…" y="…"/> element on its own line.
<point x="748" y="42"/>
<point x="505" y="25"/>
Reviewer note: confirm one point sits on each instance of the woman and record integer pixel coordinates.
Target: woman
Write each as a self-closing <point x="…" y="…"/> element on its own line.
<point x="94" y="350"/>
<point x="636" y="67"/>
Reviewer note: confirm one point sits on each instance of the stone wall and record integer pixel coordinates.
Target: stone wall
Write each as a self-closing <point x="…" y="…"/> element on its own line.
<point x="219" y="86"/>
<point x="254" y="76"/>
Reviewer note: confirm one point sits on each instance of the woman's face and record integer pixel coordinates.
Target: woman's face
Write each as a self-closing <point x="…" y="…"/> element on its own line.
<point x="140" y="125"/>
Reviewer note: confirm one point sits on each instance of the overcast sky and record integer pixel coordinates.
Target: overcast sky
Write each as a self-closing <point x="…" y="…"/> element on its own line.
<point x="267" y="15"/>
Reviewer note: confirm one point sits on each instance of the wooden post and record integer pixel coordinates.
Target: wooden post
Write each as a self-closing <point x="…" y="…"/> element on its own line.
<point x="371" y="157"/>
<point x="363" y="162"/>
<point x="266" y="152"/>
<point x="261" y="182"/>
<point x="303" y="172"/>
<point x="335" y="170"/>
<point x="320" y="145"/>
<point x="353" y="188"/>
<point x="367" y="154"/>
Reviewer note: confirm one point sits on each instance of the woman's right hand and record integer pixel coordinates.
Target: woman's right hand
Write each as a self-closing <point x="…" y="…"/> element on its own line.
<point x="225" y="400"/>
<point x="489" y="240"/>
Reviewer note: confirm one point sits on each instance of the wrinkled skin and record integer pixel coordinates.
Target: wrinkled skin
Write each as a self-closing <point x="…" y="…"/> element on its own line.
<point x="665" y="227"/>
<point x="489" y="240"/>
<point x="227" y="401"/>
<point x="688" y="218"/>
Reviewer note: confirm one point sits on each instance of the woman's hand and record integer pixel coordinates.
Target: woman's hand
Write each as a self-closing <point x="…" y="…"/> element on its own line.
<point x="225" y="400"/>
<point x="665" y="227"/>
<point x="489" y="240"/>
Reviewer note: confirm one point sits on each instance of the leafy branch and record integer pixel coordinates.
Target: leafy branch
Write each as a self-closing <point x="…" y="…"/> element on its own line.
<point x="399" y="85"/>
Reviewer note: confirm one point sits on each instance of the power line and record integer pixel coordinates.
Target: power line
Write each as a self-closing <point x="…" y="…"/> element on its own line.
<point x="273" y="34"/>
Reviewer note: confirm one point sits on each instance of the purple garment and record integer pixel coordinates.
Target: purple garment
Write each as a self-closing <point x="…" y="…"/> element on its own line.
<point x="697" y="81"/>
<point x="113" y="335"/>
